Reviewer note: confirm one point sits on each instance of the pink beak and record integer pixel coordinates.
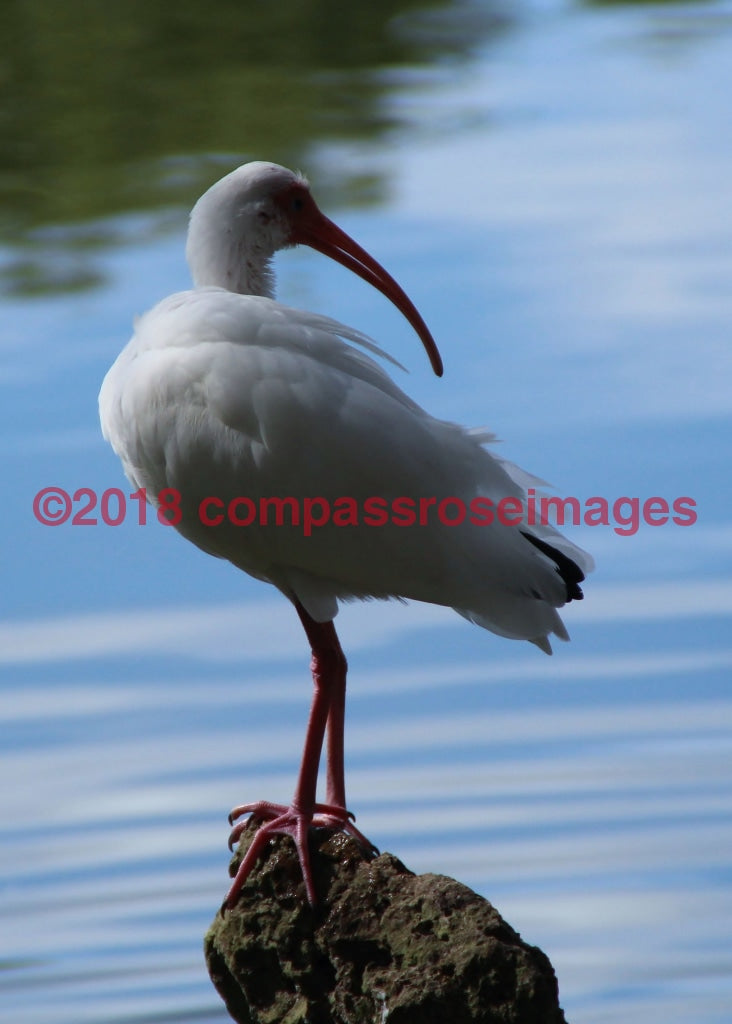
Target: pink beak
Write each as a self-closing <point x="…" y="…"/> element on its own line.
<point x="313" y="228"/>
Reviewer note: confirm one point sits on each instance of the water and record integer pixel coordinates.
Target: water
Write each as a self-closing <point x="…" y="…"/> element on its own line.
<point x="551" y="182"/>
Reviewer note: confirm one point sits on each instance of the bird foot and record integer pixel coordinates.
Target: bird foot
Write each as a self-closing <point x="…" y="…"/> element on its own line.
<point x="277" y="819"/>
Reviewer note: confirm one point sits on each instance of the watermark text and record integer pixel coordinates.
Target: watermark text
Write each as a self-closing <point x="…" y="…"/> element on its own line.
<point x="55" y="506"/>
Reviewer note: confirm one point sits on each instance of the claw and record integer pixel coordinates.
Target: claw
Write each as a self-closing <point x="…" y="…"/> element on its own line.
<point x="235" y="835"/>
<point x="261" y="808"/>
<point x="292" y="821"/>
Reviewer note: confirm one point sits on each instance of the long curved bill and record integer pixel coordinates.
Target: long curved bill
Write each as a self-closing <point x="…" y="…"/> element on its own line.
<point x="313" y="228"/>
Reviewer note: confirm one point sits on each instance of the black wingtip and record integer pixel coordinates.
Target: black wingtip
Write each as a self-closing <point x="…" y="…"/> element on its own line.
<point x="567" y="569"/>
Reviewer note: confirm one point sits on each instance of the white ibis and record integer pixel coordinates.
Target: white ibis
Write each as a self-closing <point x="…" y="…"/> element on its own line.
<point x="275" y="444"/>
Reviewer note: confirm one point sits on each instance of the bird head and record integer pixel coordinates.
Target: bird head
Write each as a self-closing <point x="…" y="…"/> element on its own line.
<point x="240" y="222"/>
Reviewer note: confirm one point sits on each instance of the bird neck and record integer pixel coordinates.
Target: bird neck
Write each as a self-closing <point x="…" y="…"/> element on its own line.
<point x="221" y="254"/>
<point x="227" y="263"/>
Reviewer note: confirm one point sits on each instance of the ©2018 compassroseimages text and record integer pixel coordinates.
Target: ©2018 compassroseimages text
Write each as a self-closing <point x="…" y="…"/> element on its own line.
<point x="53" y="506"/>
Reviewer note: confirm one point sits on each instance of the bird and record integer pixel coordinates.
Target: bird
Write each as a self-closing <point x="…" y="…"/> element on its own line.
<point x="226" y="404"/>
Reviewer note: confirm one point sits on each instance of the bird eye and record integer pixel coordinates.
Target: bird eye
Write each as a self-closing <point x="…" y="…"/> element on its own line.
<point x="297" y="204"/>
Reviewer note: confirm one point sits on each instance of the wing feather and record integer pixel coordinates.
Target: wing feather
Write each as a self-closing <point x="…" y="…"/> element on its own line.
<point x="235" y="396"/>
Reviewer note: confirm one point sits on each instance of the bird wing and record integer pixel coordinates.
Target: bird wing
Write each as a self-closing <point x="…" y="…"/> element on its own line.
<point x="228" y="396"/>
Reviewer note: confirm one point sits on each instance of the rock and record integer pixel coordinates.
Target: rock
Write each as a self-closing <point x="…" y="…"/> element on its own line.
<point x="384" y="946"/>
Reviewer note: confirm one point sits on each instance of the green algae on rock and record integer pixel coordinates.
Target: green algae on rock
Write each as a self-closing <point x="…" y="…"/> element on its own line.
<point x="384" y="946"/>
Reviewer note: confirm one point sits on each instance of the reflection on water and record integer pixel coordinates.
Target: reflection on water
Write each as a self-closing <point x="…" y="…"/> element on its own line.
<point x="600" y="815"/>
<point x="556" y="186"/>
<point x="141" y="108"/>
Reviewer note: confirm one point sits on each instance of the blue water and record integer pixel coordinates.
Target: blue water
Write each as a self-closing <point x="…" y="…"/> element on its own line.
<point x="560" y="212"/>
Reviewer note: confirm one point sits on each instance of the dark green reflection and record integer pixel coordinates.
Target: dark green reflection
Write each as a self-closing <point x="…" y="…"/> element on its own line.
<point x="110" y="108"/>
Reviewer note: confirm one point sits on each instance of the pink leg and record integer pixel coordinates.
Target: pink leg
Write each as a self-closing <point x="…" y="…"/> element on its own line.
<point x="329" y="661"/>
<point x="335" y="782"/>
<point x="327" y="710"/>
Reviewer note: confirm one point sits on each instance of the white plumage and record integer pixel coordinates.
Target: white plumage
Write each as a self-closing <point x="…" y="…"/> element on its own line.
<point x="224" y="392"/>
